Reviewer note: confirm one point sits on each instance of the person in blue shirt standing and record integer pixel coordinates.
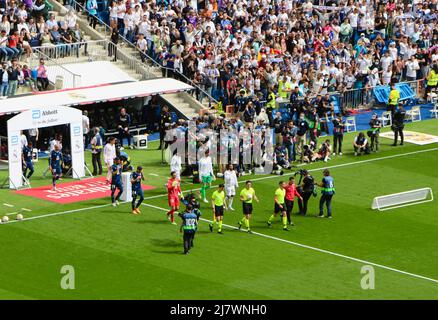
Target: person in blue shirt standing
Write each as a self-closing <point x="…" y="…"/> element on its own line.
<point x="55" y="164"/>
<point x="189" y="226"/>
<point x="116" y="181"/>
<point x="327" y="192"/>
<point x="136" y="178"/>
<point x="92" y="11"/>
<point x="27" y="160"/>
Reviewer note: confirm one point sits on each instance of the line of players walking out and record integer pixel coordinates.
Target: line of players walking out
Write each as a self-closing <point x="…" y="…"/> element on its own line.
<point x="222" y="200"/>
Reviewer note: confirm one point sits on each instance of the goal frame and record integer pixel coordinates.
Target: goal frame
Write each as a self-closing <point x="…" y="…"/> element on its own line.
<point x="375" y="204"/>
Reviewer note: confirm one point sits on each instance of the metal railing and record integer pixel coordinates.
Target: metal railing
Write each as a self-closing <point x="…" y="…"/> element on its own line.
<point x="151" y="62"/>
<point x="70" y="52"/>
<point x="54" y="69"/>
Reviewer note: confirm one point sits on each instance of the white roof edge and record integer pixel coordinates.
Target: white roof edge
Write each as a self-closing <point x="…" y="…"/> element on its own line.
<point x="93" y="94"/>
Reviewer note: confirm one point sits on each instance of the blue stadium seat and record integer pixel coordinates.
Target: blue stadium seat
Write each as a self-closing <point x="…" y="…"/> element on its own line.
<point x="173" y="116"/>
<point x="382" y="92"/>
<point x="337" y="103"/>
<point x="285" y="114"/>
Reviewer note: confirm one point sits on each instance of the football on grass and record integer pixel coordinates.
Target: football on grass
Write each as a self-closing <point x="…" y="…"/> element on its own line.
<point x="5" y="219"/>
<point x="19" y="216"/>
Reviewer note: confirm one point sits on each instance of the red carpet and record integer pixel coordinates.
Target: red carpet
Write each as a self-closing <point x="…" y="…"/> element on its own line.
<point x="73" y="191"/>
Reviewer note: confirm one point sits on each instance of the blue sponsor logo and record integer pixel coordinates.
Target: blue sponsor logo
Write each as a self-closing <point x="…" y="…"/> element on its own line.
<point x="36" y="114"/>
<point x="77" y="131"/>
<point x="14" y="140"/>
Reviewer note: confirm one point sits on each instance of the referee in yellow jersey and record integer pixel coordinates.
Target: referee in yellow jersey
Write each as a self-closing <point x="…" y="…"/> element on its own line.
<point x="247" y="195"/>
<point x="218" y="205"/>
<point x="280" y="206"/>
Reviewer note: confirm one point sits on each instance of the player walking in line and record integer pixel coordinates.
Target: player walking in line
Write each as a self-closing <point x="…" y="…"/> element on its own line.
<point x="173" y="195"/>
<point x="175" y="164"/>
<point x="55" y="165"/>
<point x="27" y="160"/>
<point x="109" y="153"/>
<point x="136" y="178"/>
<point x="189" y="226"/>
<point x="116" y="181"/>
<point x="247" y="195"/>
<point x="218" y="205"/>
<point x="327" y="192"/>
<point x="280" y="205"/>
<point x="206" y="174"/>
<point x="291" y="193"/>
<point x="231" y="184"/>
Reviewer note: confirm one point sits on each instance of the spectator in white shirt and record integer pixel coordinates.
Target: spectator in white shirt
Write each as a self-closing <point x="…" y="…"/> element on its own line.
<point x="412" y="67"/>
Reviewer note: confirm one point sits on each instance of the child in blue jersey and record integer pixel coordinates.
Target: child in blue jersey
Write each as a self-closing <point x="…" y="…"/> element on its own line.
<point x="136" y="178"/>
<point x="55" y="165"/>
<point x="116" y="181"/>
<point x="27" y="160"/>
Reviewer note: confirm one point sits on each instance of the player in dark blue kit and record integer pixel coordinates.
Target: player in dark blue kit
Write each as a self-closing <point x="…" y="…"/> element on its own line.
<point x="55" y="165"/>
<point x="27" y="160"/>
<point x="116" y="181"/>
<point x="136" y="178"/>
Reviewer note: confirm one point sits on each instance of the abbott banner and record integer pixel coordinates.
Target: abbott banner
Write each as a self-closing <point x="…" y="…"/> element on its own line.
<point x="41" y="118"/>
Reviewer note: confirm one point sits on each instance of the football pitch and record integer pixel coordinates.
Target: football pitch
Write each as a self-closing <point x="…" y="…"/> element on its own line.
<point x="116" y="255"/>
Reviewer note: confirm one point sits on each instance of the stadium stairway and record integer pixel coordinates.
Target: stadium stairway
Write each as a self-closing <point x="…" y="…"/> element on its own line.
<point x="187" y="105"/>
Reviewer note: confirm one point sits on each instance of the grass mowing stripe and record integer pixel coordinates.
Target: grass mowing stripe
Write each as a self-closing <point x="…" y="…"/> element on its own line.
<point x="315" y="249"/>
<point x="322" y="168"/>
<point x="256" y="179"/>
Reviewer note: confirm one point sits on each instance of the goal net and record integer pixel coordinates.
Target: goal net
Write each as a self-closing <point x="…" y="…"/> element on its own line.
<point x="402" y="199"/>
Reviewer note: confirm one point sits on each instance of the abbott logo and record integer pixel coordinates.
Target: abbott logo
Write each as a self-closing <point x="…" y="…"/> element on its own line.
<point x="36" y="114"/>
<point x="77" y="131"/>
<point x="14" y="140"/>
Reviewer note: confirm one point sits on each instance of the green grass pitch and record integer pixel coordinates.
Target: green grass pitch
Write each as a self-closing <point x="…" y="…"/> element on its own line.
<point x="120" y="256"/>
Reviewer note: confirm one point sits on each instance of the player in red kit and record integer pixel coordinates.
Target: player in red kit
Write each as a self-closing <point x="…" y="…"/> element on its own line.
<point x="291" y="193"/>
<point x="173" y="195"/>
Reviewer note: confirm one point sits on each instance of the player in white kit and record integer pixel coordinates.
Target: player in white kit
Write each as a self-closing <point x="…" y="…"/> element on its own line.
<point x="175" y="165"/>
<point x="109" y="153"/>
<point x="231" y="184"/>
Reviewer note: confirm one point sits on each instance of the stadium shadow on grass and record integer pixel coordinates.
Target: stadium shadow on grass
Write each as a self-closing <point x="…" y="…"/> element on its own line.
<point x="165" y="243"/>
<point x="151" y="221"/>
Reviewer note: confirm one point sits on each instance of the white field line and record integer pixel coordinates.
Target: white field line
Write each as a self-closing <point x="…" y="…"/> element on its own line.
<point x="63" y="212"/>
<point x="265" y="177"/>
<point x="261" y="178"/>
<point x="317" y="249"/>
<point x="8" y="205"/>
<point x="19" y="211"/>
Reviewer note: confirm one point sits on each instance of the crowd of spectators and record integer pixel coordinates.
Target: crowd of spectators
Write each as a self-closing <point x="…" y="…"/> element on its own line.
<point x="27" y="24"/>
<point x="319" y="46"/>
<point x="256" y="55"/>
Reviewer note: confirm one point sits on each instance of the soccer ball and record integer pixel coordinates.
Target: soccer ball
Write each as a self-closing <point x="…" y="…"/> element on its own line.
<point x="19" y="217"/>
<point x="249" y="196"/>
<point x="5" y="219"/>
